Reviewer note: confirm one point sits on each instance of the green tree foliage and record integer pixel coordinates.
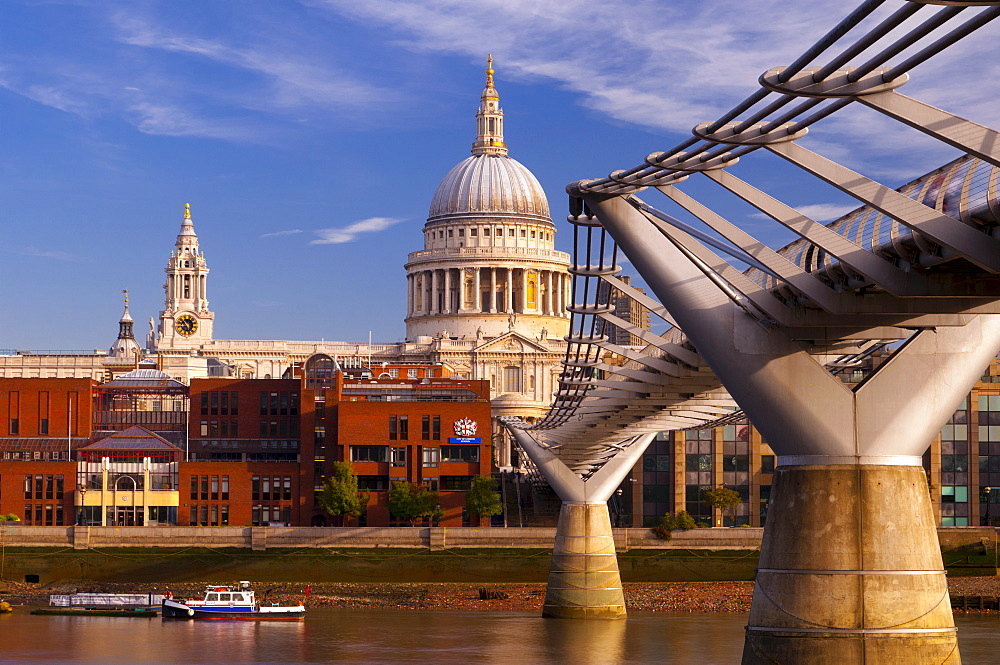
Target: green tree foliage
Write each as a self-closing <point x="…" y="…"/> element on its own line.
<point x="481" y="499"/>
<point x="411" y="502"/>
<point x="9" y="518"/>
<point x="670" y="523"/>
<point x="724" y="499"/>
<point x="340" y="496"/>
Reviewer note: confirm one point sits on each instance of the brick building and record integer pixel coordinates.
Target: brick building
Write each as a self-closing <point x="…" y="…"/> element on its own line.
<point x="144" y="449"/>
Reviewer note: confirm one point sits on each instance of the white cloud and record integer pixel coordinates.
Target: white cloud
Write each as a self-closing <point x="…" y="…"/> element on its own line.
<point x="352" y="231"/>
<point x="671" y="66"/>
<point x="275" y="234"/>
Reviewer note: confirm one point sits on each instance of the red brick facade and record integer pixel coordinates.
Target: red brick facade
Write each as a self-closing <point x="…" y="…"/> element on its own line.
<point x="257" y="451"/>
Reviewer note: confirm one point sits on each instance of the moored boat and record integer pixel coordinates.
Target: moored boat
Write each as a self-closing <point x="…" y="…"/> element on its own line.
<point x="229" y="602"/>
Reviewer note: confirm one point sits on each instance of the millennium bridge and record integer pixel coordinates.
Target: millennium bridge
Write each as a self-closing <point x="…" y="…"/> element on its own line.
<point x="850" y="569"/>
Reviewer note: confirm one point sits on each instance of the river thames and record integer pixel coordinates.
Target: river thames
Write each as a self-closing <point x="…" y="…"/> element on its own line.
<point x="385" y="636"/>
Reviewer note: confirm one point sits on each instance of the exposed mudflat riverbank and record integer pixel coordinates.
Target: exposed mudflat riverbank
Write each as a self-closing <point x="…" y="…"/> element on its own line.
<point x="642" y="597"/>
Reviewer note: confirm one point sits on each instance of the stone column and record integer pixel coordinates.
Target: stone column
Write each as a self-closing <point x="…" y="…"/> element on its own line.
<point x="524" y="291"/>
<point x="509" y="299"/>
<point x="425" y="292"/>
<point x="493" y="291"/>
<point x="477" y="290"/>
<point x="550" y="308"/>
<point x="409" y="296"/>
<point x="434" y="293"/>
<point x="447" y="291"/>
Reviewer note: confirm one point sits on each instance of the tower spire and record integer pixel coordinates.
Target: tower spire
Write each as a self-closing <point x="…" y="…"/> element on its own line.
<point x="489" y="119"/>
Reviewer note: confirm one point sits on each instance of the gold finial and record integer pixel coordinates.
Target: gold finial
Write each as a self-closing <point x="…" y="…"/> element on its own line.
<point x="187" y="211"/>
<point x="125" y="291"/>
<point x="489" y="71"/>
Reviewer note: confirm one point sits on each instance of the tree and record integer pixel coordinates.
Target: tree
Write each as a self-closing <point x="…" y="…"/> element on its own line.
<point x="670" y="523"/>
<point x="411" y="502"/>
<point x="481" y="500"/>
<point x="340" y="496"/>
<point x="724" y="499"/>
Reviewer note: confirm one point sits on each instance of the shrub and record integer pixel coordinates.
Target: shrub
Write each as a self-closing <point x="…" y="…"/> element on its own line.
<point x="669" y="523"/>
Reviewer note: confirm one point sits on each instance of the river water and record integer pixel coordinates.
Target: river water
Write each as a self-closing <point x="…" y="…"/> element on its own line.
<point x="385" y="636"/>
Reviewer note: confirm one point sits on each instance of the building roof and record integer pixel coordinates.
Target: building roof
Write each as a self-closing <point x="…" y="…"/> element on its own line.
<point x="140" y="380"/>
<point x="489" y="182"/>
<point x="489" y="185"/>
<point x="134" y="438"/>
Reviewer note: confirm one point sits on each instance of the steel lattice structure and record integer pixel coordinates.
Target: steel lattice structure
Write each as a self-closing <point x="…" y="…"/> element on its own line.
<point x="911" y="275"/>
<point x="899" y="248"/>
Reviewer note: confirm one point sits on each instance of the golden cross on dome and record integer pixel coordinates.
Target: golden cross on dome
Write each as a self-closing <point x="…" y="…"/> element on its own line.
<point x="187" y="211"/>
<point x="489" y="71"/>
<point x="125" y="291"/>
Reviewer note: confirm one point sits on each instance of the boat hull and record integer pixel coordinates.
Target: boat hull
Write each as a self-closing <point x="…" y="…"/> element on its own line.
<point x="175" y="609"/>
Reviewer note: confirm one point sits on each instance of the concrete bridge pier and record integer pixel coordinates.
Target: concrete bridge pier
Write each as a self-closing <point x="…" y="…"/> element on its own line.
<point x="584" y="579"/>
<point x="850" y="571"/>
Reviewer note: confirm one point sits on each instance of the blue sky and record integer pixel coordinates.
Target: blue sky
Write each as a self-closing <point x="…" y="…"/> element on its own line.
<point x="308" y="137"/>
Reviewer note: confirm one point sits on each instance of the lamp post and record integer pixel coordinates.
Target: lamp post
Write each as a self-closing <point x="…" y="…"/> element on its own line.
<point x="988" y="491"/>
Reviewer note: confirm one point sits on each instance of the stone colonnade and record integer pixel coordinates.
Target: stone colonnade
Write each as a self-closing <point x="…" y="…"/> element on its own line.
<point x="487" y="290"/>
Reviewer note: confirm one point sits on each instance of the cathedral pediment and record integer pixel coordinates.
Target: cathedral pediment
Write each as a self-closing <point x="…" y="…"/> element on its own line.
<point x="511" y="342"/>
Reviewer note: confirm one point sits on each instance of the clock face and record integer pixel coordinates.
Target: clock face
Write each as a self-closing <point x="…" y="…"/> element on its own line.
<point x="186" y="325"/>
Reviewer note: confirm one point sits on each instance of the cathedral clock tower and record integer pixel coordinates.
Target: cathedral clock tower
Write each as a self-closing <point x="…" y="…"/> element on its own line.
<point x="186" y="322"/>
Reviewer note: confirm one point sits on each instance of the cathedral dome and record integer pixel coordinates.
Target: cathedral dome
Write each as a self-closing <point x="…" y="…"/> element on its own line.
<point x="489" y="184"/>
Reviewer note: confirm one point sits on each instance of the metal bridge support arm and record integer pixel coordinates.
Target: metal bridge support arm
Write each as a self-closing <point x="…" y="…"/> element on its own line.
<point x="584" y="580"/>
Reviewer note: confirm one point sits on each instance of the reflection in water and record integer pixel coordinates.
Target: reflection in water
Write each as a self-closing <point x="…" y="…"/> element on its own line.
<point x="386" y="636"/>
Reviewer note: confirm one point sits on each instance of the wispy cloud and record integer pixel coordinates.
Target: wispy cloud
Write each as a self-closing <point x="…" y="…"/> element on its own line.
<point x="818" y="212"/>
<point x="670" y="66"/>
<point x="48" y="254"/>
<point x="275" y="234"/>
<point x="352" y="231"/>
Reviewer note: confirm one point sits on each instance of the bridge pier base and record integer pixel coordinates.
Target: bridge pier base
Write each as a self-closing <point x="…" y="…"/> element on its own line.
<point x="850" y="571"/>
<point x="584" y="580"/>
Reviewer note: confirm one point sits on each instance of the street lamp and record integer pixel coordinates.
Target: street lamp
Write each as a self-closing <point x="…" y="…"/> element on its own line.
<point x="988" y="491"/>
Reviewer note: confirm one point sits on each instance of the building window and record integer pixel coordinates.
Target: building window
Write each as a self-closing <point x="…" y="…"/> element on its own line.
<point x="411" y="374"/>
<point x="255" y="488"/>
<point x="398" y="457"/>
<point x="204" y="488"/>
<point x="459" y="453"/>
<point x="393" y="428"/>
<point x="404" y="428"/>
<point x="215" y="488"/>
<point x="455" y="483"/>
<point x="43" y="427"/>
<point x="373" y="483"/>
<point x="225" y="488"/>
<point x="369" y="453"/>
<point x="425" y="428"/>
<point x="287" y="493"/>
<point x="767" y="463"/>
<point x="15" y="427"/>
<point x="194" y="488"/>
<point x="512" y="379"/>
<point x="224" y="515"/>
<point x="394" y="373"/>
<point x="436" y="428"/>
<point x="431" y="457"/>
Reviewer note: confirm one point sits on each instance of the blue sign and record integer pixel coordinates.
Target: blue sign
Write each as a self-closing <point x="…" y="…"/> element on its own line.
<point x="465" y="439"/>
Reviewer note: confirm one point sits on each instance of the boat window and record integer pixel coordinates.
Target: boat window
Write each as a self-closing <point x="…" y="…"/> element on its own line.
<point x="225" y="596"/>
<point x="238" y="597"/>
<point x="211" y="596"/>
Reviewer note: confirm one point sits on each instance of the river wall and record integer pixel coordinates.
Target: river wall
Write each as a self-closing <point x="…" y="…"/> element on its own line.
<point x="437" y="554"/>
